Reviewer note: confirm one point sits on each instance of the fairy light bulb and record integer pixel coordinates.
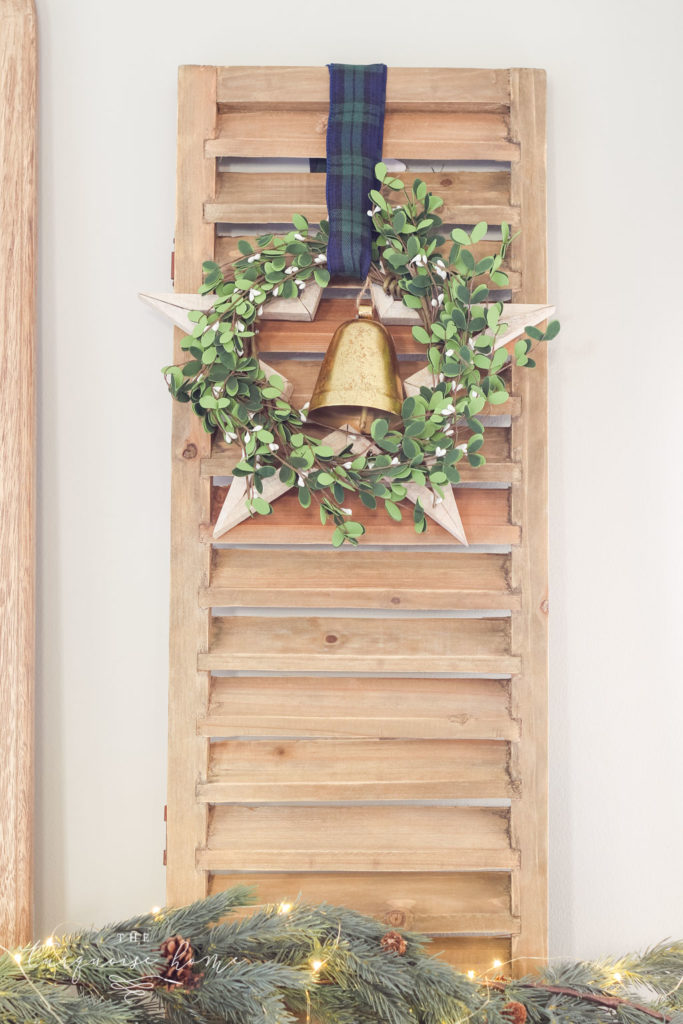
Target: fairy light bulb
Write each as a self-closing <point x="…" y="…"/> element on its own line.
<point x="316" y="965"/>
<point x="470" y="975"/>
<point x="284" y="908"/>
<point x="155" y="910"/>
<point x="50" y="941"/>
<point x="617" y="976"/>
<point x="497" y="963"/>
<point x="17" y="957"/>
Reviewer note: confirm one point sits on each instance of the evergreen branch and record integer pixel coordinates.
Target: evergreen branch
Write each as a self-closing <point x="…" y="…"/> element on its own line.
<point x="599" y="998"/>
<point x="281" y="964"/>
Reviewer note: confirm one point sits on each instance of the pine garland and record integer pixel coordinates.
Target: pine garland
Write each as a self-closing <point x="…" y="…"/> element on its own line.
<point x="203" y="964"/>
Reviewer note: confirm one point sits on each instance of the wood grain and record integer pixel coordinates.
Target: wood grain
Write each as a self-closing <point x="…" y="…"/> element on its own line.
<point x="381" y="708"/>
<point x="424" y="89"/>
<point x="358" y="579"/>
<point x="485" y="515"/>
<point x="530" y="557"/>
<point x="18" y="66"/>
<point x="407" y="135"/>
<point x="473" y="953"/>
<point x="322" y="769"/>
<point x="272" y="198"/>
<point x="332" y="644"/>
<point x="474" y="902"/>
<point x="380" y="837"/>
<point x="190" y="501"/>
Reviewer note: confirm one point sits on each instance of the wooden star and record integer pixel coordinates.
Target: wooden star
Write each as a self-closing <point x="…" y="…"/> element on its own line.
<point x="516" y="315"/>
<point x="176" y="306"/>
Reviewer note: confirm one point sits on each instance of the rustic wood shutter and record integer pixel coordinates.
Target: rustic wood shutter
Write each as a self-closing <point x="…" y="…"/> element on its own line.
<point x="365" y="726"/>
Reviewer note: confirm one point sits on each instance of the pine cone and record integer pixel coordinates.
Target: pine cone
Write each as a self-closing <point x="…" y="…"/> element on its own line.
<point x="178" y="950"/>
<point x="178" y="972"/>
<point x="515" y="1013"/>
<point x="393" y="942"/>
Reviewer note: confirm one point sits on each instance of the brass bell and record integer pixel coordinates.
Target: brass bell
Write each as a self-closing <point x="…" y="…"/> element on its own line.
<point x="359" y="379"/>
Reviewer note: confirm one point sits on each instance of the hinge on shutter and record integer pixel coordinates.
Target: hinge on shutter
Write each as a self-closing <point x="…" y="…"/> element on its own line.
<point x="165" y="832"/>
<point x="173" y="266"/>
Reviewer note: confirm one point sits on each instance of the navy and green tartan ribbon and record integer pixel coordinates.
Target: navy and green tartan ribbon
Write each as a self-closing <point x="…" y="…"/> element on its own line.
<point x="354" y="145"/>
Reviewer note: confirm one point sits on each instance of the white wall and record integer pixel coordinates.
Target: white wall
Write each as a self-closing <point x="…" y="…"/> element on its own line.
<point x="108" y="95"/>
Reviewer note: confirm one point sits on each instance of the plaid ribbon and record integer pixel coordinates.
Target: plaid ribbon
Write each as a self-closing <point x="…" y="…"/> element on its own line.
<point x="354" y="145"/>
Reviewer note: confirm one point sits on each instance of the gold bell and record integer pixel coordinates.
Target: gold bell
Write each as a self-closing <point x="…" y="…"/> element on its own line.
<point x="359" y="379"/>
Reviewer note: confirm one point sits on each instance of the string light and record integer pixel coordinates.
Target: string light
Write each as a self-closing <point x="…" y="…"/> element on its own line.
<point x="50" y="940"/>
<point x="284" y="908"/>
<point x="17" y="957"/>
<point x="497" y="963"/>
<point x="617" y="976"/>
<point x="470" y="975"/>
<point x="316" y="965"/>
<point x="155" y="910"/>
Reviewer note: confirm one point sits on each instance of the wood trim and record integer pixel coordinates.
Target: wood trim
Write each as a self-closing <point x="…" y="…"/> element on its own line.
<point x="190" y="502"/>
<point x="18" y="71"/>
<point x="529" y="815"/>
<point x="423" y="89"/>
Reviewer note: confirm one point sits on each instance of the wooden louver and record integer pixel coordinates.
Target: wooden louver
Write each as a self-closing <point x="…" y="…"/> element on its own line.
<point x="365" y="726"/>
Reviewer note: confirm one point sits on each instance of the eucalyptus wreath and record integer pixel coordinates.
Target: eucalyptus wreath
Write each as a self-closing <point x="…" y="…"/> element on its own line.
<point x="438" y="428"/>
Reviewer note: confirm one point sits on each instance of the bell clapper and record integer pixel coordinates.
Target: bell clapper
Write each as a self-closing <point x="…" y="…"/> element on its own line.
<point x="364" y="419"/>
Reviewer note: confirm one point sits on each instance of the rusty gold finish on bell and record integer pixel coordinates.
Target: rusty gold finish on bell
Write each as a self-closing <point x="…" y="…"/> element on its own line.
<point x="359" y="379"/>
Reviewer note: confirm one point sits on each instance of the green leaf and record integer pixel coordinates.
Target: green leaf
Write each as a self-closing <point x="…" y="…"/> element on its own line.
<point x="379" y="200"/>
<point x="354" y="529"/>
<point x="498" y="397"/>
<point x="378" y="429"/>
<point x="244" y="247"/>
<point x="458" y="235"/>
<point x="411" y="301"/>
<point x="420" y="334"/>
<point x="304" y="496"/>
<point x="552" y="330"/>
<point x="322" y="276"/>
<point x="478" y="231"/>
<point x="467" y="259"/>
<point x="408" y="408"/>
<point x="499" y="278"/>
<point x="324" y="479"/>
<point x="499" y="358"/>
<point x="300" y="223"/>
<point x="380" y="171"/>
<point x="493" y="315"/>
<point x="261" y="506"/>
<point x="411" y="448"/>
<point x="393" y="510"/>
<point x="534" y="333"/>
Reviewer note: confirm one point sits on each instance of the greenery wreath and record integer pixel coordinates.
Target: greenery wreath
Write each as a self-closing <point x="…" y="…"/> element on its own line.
<point x="440" y="426"/>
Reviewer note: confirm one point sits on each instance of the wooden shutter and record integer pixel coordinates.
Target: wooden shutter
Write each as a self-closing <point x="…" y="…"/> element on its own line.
<point x="364" y="726"/>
